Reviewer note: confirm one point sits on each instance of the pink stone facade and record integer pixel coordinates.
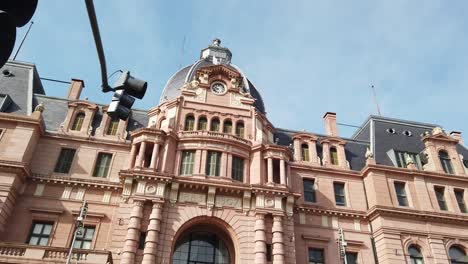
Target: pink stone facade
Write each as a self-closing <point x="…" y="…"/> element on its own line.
<point x="163" y="182"/>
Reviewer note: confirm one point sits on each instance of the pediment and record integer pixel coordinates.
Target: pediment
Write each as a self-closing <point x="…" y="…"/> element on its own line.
<point x="82" y="103"/>
<point x="304" y="135"/>
<point x="220" y="69"/>
<point x="440" y="137"/>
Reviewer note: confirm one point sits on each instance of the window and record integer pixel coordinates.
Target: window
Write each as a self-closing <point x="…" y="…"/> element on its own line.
<point x="101" y="169"/>
<point x="457" y="255"/>
<point x="305" y="152"/>
<point x="40" y="233"/>
<point x="439" y="191"/>
<point x="339" y="189"/>
<point x="268" y="252"/>
<point x="78" y="122"/>
<point x="215" y="124"/>
<point x="445" y="162"/>
<point x="333" y="156"/>
<point x="415" y="255"/>
<point x="141" y="240"/>
<point x="200" y="248"/>
<point x="460" y="196"/>
<point x="465" y="162"/>
<point x="401" y="158"/>
<point x="309" y="190"/>
<point x="227" y="127"/>
<point x="351" y="258"/>
<point x="65" y="160"/>
<point x="401" y="193"/>
<point x="213" y="163"/>
<point x="316" y="256"/>
<point x="186" y="167"/>
<point x="237" y="168"/>
<point x="189" y="123"/>
<point x="112" y="127"/>
<point x="240" y="129"/>
<point x="84" y="238"/>
<point x="202" y="123"/>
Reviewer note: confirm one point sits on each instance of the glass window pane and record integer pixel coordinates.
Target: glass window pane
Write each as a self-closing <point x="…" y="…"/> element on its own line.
<point x="86" y="245"/>
<point x="37" y="228"/>
<point x="34" y="240"/>
<point x="47" y="229"/>
<point x="43" y="241"/>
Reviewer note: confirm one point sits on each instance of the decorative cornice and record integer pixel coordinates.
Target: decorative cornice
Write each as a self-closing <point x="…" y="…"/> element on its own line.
<point x="305" y="135"/>
<point x="379" y="210"/>
<point x="76" y="181"/>
<point x="326" y="211"/>
<point x="89" y="105"/>
<point x="332" y="140"/>
<point x="90" y="140"/>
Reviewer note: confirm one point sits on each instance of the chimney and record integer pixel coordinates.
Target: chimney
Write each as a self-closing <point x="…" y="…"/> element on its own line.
<point x="76" y="86"/>
<point x="457" y="135"/>
<point x="330" y="124"/>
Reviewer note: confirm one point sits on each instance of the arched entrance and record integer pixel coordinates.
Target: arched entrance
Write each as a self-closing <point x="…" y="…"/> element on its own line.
<point x="203" y="241"/>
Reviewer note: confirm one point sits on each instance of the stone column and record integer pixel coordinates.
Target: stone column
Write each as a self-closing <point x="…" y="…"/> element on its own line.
<point x="260" y="244"/>
<point x="229" y="166"/>
<point x="154" y="156"/>
<point x="312" y="152"/>
<point x="270" y="170"/>
<point x="326" y="154"/>
<point x="277" y="241"/>
<point x="297" y="150"/>
<point x="223" y="165"/>
<point x="342" y="156"/>
<point x="152" y="235"/>
<point x="133" y="233"/>
<point x="282" y="172"/>
<point x="131" y="161"/>
<point x="141" y="154"/>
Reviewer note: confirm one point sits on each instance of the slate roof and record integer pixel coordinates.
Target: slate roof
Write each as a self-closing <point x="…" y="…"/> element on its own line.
<point x="172" y="89"/>
<point x="20" y="86"/>
<point x="355" y="150"/>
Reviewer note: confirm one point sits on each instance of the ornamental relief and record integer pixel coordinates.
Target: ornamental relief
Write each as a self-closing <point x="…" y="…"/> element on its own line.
<point x="274" y="154"/>
<point x="199" y="198"/>
<point x="228" y="201"/>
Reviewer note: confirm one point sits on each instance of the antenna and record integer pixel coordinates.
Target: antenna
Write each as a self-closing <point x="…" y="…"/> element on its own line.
<point x="22" y="41"/>
<point x="182" y="52"/>
<point x="375" y="99"/>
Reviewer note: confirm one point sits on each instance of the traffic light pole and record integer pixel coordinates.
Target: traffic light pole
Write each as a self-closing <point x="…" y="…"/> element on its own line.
<point x="79" y="225"/>
<point x="97" y="40"/>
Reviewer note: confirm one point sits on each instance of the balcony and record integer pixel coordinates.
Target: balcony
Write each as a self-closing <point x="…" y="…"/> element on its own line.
<point x="214" y="135"/>
<point x="23" y="253"/>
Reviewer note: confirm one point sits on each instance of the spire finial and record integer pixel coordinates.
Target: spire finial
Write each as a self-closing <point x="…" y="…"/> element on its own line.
<point x="216" y="42"/>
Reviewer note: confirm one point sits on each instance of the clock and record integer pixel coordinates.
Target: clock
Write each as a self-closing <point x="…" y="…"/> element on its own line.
<point x="218" y="88"/>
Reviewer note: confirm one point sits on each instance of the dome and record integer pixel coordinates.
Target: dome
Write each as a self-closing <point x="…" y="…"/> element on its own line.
<point x="213" y="55"/>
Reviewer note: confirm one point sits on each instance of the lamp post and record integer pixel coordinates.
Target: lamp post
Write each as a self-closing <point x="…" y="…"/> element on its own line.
<point x="79" y="225"/>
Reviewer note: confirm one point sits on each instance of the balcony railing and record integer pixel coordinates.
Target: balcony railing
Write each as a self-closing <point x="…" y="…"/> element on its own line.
<point x="186" y="134"/>
<point x="23" y="253"/>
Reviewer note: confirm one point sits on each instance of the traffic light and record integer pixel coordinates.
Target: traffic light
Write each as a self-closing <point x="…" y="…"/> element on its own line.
<point x="13" y="14"/>
<point x="126" y="88"/>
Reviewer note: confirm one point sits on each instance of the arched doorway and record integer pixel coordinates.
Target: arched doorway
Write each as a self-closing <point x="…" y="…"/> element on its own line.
<point x="203" y="243"/>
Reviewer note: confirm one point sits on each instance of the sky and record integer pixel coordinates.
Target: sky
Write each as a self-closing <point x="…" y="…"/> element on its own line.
<point x="305" y="57"/>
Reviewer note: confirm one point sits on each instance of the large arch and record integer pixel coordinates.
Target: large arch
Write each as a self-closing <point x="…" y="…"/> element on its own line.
<point x="213" y="225"/>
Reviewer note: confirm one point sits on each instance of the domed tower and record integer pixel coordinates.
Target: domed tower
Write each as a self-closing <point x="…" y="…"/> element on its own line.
<point x="209" y="145"/>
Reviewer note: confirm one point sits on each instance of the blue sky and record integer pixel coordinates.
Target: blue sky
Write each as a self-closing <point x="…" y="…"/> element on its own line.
<point x="305" y="57"/>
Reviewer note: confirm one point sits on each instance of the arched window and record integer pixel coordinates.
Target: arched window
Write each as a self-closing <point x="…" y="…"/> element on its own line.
<point x="445" y="161"/>
<point x="215" y="124"/>
<point x="78" y="122"/>
<point x="305" y="152"/>
<point x="457" y="255"/>
<point x="200" y="247"/>
<point x="415" y="255"/>
<point x="202" y="123"/>
<point x="189" y="123"/>
<point x="240" y="129"/>
<point x="333" y="156"/>
<point x="112" y="127"/>
<point x="227" y="127"/>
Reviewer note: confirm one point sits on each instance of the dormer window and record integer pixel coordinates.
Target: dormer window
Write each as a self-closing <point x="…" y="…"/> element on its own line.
<point x="240" y="129"/>
<point x="305" y="152"/>
<point x="78" y="122"/>
<point x="202" y="123"/>
<point x="333" y="156"/>
<point x="445" y="162"/>
<point x="112" y="127"/>
<point x="215" y="124"/>
<point x="189" y="123"/>
<point x="227" y="127"/>
<point x="402" y="159"/>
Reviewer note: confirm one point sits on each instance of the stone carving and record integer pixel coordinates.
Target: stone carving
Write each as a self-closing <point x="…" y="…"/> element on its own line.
<point x="260" y="200"/>
<point x="228" y="201"/>
<point x="39" y="108"/>
<point x="127" y="190"/>
<point x="141" y="187"/>
<point x="437" y="130"/>
<point x="369" y="154"/>
<point x="211" y="196"/>
<point x="199" y="198"/>
<point x="174" y="192"/>
<point x="246" y="198"/>
<point x="269" y="202"/>
<point x="150" y="189"/>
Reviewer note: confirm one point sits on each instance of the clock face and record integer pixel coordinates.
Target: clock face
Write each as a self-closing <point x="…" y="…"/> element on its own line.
<point x="218" y="88"/>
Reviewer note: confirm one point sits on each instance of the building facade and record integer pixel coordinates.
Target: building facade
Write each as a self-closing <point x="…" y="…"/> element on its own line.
<point x="205" y="177"/>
